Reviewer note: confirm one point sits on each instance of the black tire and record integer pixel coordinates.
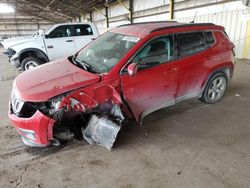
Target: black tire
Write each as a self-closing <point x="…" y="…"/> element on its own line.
<point x="30" y="62"/>
<point x="215" y="88"/>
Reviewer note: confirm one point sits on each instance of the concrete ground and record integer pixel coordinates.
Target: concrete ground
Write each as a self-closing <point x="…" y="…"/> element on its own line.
<point x="189" y="145"/>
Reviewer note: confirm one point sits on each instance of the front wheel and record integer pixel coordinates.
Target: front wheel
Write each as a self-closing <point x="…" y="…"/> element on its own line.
<point x="30" y="63"/>
<point x="214" y="89"/>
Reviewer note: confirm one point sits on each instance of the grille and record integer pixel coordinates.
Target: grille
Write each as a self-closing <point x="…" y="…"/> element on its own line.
<point x="20" y="108"/>
<point x="16" y="104"/>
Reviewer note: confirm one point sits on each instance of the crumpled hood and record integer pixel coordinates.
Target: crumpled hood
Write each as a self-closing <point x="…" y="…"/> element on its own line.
<point x="51" y="79"/>
<point x="17" y="40"/>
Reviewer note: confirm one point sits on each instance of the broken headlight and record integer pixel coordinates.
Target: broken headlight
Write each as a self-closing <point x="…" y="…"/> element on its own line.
<point x="55" y="110"/>
<point x="55" y="102"/>
<point x="50" y="108"/>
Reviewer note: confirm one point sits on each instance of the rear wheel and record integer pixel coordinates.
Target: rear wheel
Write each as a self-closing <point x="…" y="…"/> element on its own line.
<point x="214" y="89"/>
<point x="30" y="63"/>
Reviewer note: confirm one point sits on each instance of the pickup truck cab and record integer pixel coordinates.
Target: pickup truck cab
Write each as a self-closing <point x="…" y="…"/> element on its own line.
<point x="61" y="40"/>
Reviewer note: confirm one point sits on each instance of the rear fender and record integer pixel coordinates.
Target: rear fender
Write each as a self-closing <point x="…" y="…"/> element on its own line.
<point x="227" y="70"/>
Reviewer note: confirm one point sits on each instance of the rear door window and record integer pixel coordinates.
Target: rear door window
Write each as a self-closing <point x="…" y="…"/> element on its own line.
<point x="190" y="43"/>
<point x="82" y="30"/>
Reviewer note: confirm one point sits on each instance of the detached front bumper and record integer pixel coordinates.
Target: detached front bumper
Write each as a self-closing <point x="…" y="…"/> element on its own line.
<point x="36" y="131"/>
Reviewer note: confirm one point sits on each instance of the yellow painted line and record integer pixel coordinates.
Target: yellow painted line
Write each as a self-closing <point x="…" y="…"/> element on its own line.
<point x="246" y="51"/>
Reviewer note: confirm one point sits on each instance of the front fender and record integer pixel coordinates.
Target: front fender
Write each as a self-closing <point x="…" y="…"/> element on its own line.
<point x="41" y="53"/>
<point x="78" y="101"/>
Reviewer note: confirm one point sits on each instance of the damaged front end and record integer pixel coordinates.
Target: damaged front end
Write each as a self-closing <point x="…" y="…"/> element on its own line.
<point x="66" y="117"/>
<point x="97" y="125"/>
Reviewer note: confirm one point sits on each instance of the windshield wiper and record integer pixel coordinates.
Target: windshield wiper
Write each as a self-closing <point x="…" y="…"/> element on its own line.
<point x="71" y="59"/>
<point x="83" y="64"/>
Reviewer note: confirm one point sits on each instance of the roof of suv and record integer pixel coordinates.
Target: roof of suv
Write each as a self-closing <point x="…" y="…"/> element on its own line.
<point x="144" y="28"/>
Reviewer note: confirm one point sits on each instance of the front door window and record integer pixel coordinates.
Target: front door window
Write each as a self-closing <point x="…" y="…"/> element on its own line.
<point x="158" y="51"/>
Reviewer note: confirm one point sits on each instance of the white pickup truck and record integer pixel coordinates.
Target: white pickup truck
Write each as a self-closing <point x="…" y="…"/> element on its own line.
<point x="61" y="40"/>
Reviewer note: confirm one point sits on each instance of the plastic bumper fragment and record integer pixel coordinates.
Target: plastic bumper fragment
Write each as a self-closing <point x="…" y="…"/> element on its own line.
<point x="36" y="131"/>
<point x="101" y="131"/>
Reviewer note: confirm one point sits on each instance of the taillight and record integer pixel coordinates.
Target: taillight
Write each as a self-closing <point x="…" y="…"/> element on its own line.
<point x="231" y="46"/>
<point x="233" y="50"/>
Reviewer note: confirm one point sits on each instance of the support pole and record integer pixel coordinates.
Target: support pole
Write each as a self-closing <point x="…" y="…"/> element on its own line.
<point x="90" y="17"/>
<point x="130" y="9"/>
<point x="105" y="15"/>
<point x="171" y="10"/>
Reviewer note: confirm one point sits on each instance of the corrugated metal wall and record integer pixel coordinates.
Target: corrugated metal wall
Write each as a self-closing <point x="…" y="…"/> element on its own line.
<point x="233" y="15"/>
<point x="100" y="20"/>
<point x="13" y="25"/>
<point x="235" y="23"/>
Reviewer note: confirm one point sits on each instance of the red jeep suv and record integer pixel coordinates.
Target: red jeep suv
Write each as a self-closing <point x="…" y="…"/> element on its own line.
<point x="126" y="73"/>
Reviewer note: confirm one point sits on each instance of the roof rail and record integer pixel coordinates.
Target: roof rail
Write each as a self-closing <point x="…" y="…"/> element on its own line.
<point x="139" y="23"/>
<point x="183" y="25"/>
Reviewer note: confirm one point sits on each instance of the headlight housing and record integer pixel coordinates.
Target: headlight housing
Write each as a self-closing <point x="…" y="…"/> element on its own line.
<point x="10" y="52"/>
<point x="56" y="101"/>
<point x="23" y="109"/>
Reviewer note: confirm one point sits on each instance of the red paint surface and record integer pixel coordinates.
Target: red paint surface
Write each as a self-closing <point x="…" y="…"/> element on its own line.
<point x="41" y="124"/>
<point x="52" y="79"/>
<point x="146" y="90"/>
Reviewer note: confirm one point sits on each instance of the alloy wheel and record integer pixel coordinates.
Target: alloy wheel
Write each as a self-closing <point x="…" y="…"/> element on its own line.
<point x="217" y="88"/>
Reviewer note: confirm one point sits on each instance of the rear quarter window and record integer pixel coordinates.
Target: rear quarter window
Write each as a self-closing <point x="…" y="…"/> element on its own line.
<point x="190" y="43"/>
<point x="209" y="38"/>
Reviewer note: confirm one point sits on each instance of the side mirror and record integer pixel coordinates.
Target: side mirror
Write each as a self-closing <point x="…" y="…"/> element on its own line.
<point x="132" y="69"/>
<point x="41" y="32"/>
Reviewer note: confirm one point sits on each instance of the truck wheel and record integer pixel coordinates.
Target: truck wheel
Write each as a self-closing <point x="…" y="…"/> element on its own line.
<point x="214" y="89"/>
<point x="30" y="63"/>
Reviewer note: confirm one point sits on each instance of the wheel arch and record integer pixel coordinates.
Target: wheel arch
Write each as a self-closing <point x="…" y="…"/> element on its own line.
<point x="34" y="52"/>
<point x="227" y="70"/>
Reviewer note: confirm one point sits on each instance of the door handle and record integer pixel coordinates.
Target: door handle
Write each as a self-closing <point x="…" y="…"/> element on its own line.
<point x="50" y="46"/>
<point x="69" y="40"/>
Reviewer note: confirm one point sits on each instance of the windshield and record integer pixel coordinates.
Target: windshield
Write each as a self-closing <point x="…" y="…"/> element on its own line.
<point x="103" y="54"/>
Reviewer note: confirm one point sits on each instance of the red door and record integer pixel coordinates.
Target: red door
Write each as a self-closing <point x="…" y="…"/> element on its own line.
<point x="154" y="86"/>
<point x="195" y="57"/>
